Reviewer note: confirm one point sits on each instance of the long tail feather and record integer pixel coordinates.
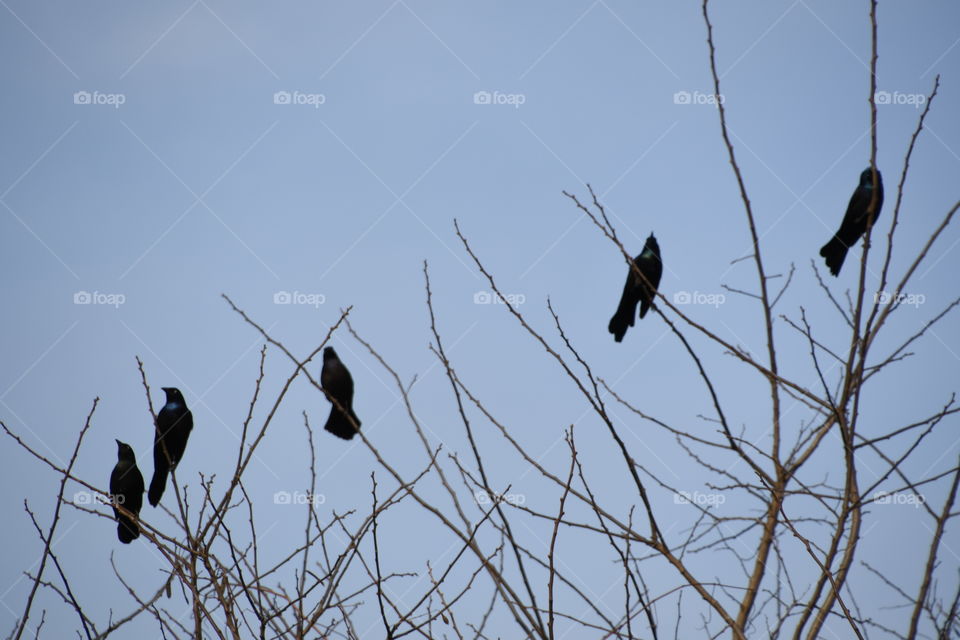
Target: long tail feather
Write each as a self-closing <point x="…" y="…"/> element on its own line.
<point x="157" y="485"/>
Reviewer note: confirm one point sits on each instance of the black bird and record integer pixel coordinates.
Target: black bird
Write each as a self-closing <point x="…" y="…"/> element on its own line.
<point x="338" y="385"/>
<point x="126" y="487"/>
<point x="636" y="290"/>
<point x="854" y="222"/>
<point x="174" y="423"/>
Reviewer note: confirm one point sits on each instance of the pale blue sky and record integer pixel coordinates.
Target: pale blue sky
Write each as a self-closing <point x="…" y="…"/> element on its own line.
<point x="200" y="183"/>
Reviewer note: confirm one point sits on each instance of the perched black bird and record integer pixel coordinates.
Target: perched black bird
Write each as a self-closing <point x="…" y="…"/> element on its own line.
<point x="636" y="290"/>
<point x="126" y="487"/>
<point x="854" y="222"/>
<point x="174" y="423"/>
<point x="337" y="383"/>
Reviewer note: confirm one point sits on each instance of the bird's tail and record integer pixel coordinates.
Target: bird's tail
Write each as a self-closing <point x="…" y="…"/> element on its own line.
<point x="127" y="530"/>
<point x="835" y="252"/>
<point x="645" y="303"/>
<point x="618" y="327"/>
<point x="157" y="485"/>
<point x="622" y="319"/>
<point x="339" y="424"/>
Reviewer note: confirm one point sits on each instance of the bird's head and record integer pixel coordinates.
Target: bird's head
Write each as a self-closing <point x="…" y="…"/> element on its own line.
<point x="329" y="354"/>
<point x="124" y="451"/>
<point x="866" y="177"/>
<point x="173" y="394"/>
<point x="651" y="245"/>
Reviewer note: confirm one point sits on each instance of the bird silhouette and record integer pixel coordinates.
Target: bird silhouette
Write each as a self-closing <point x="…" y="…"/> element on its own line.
<point x="174" y="423"/>
<point x="635" y="290"/>
<point x="126" y="488"/>
<point x="854" y="221"/>
<point x="336" y="381"/>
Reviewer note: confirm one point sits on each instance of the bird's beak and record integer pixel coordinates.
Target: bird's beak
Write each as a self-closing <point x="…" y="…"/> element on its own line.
<point x="117" y="441"/>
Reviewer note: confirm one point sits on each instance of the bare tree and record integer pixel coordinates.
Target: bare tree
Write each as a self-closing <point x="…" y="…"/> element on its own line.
<point x="795" y="543"/>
